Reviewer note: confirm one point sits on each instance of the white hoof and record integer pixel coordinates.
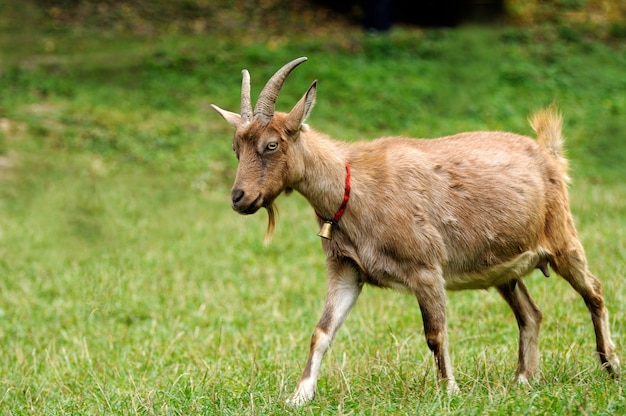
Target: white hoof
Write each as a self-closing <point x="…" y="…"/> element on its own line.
<point x="300" y="397"/>
<point x="614" y="367"/>
<point x="452" y="387"/>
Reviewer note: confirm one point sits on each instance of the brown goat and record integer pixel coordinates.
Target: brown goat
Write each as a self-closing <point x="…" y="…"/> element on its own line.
<point x="469" y="211"/>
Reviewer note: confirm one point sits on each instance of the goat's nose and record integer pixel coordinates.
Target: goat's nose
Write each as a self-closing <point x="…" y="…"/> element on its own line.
<point x="237" y="195"/>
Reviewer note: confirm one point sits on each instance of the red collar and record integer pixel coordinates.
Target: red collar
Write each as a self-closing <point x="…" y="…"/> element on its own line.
<point x="342" y="208"/>
<point x="346" y="196"/>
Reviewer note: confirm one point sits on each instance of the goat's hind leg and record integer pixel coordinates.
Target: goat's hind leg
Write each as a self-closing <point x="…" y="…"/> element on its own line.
<point x="528" y="318"/>
<point x="572" y="266"/>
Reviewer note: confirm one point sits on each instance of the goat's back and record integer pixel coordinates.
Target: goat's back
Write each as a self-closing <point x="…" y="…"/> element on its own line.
<point x="477" y="200"/>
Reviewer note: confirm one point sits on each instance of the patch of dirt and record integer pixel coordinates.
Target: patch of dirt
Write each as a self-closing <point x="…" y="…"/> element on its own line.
<point x="9" y="130"/>
<point x="7" y="163"/>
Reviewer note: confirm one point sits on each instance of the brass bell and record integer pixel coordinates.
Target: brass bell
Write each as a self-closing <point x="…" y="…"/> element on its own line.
<point x="326" y="230"/>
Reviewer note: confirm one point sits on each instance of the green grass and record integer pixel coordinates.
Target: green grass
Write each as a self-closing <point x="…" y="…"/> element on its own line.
<point x="128" y="286"/>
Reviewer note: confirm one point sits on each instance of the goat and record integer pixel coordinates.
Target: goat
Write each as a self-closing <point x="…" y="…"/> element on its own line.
<point x="469" y="211"/>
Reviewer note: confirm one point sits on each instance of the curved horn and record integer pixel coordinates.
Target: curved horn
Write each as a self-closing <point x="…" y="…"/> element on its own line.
<point x="246" y="106"/>
<point x="265" y="105"/>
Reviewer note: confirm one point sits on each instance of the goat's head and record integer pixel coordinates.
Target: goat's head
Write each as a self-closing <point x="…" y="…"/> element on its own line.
<point x="263" y="144"/>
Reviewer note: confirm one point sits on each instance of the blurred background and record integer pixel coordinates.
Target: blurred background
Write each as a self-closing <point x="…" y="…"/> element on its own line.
<point x="279" y="16"/>
<point x="128" y="285"/>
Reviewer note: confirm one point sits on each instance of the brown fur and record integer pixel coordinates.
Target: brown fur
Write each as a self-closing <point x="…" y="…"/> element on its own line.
<point x="469" y="211"/>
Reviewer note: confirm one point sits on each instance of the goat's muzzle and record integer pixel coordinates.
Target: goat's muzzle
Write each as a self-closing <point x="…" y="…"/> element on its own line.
<point x="245" y="203"/>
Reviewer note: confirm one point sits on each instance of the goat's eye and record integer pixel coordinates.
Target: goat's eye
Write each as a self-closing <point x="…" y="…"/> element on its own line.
<point x="271" y="146"/>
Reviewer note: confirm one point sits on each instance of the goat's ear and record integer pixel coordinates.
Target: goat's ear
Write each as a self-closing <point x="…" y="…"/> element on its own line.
<point x="233" y="119"/>
<point x="300" y="112"/>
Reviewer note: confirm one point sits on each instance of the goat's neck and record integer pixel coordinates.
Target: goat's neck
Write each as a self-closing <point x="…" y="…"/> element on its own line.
<point x="323" y="177"/>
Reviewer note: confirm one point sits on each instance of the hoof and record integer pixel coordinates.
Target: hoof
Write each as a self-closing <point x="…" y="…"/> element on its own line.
<point x="299" y="398"/>
<point x="452" y="387"/>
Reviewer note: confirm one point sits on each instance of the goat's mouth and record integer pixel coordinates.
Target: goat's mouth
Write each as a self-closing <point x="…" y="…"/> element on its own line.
<point x="250" y="208"/>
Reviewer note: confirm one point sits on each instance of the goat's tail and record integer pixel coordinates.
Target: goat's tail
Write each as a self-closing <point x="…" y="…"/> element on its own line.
<point x="547" y="124"/>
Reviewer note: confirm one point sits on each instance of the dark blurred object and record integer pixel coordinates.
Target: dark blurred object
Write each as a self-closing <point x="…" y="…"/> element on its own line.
<point x="450" y="12"/>
<point x="377" y="17"/>
<point x="432" y="12"/>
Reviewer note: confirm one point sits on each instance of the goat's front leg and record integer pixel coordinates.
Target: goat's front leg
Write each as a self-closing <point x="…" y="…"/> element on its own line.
<point x="344" y="288"/>
<point x="431" y="296"/>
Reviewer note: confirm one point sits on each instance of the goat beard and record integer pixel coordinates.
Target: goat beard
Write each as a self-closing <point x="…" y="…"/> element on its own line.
<point x="271" y="223"/>
<point x="272" y="213"/>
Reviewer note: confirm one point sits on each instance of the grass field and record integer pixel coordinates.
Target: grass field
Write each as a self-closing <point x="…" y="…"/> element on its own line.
<point x="128" y="286"/>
